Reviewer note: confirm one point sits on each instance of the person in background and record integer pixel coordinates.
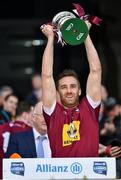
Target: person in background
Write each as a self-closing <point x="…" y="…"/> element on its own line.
<point x="33" y="143"/>
<point x="4" y="91"/>
<point x="104" y="93"/>
<point x="104" y="96"/>
<point x="110" y="133"/>
<point x="35" y="95"/>
<point x="112" y="151"/>
<point x="72" y="125"/>
<point x="23" y="117"/>
<point x="8" y="112"/>
<point x="21" y="124"/>
<point x="108" y="127"/>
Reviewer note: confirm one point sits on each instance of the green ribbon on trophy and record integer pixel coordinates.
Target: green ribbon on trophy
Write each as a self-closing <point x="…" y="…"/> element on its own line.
<point x="70" y="28"/>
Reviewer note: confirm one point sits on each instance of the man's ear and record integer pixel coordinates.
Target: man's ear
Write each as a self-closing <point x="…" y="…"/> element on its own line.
<point x="25" y="115"/>
<point x="79" y="92"/>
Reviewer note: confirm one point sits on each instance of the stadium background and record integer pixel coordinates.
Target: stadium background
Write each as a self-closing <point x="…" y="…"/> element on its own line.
<point x="20" y="53"/>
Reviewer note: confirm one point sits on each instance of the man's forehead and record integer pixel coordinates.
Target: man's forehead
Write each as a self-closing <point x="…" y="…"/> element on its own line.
<point x="13" y="98"/>
<point x="68" y="80"/>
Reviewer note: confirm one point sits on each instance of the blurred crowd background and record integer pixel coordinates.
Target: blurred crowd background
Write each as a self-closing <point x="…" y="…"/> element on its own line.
<point x="22" y="43"/>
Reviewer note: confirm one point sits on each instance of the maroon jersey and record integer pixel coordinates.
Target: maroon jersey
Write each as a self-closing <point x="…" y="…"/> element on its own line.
<point x="6" y="127"/>
<point x="10" y="127"/>
<point x="3" y="128"/>
<point x="20" y="126"/>
<point x="74" y="132"/>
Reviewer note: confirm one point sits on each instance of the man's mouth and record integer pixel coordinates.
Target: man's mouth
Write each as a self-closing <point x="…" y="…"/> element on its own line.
<point x="70" y="96"/>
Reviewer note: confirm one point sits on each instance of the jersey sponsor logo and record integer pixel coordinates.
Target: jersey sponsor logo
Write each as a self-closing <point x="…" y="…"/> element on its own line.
<point x="71" y="133"/>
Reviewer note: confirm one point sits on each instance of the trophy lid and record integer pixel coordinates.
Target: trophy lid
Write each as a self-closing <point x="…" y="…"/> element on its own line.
<point x="61" y="15"/>
<point x="74" y="31"/>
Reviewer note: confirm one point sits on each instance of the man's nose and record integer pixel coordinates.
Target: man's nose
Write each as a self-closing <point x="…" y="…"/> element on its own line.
<point x="68" y="89"/>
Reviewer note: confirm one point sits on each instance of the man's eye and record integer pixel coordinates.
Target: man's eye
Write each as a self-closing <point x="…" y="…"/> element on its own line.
<point x="63" y="87"/>
<point x="73" y="85"/>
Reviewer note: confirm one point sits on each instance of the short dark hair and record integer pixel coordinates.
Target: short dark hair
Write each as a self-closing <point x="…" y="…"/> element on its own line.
<point x="23" y="107"/>
<point x="110" y="103"/>
<point x="65" y="73"/>
<point x="9" y="95"/>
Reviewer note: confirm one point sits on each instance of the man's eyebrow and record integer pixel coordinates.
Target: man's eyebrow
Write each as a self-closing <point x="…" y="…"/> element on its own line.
<point x="61" y="85"/>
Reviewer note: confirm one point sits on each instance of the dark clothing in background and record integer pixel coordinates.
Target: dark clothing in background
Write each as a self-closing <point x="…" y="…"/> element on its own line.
<point x="4" y="116"/>
<point x="32" y="99"/>
<point x="22" y="143"/>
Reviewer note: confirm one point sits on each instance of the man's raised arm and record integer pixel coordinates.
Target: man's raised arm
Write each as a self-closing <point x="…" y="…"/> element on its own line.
<point x="48" y="85"/>
<point x="93" y="88"/>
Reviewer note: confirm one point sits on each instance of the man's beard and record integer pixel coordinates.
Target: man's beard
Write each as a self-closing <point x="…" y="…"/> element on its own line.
<point x="67" y="104"/>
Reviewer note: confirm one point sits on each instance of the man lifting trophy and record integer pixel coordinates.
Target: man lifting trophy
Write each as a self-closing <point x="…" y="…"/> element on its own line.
<point x="70" y="28"/>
